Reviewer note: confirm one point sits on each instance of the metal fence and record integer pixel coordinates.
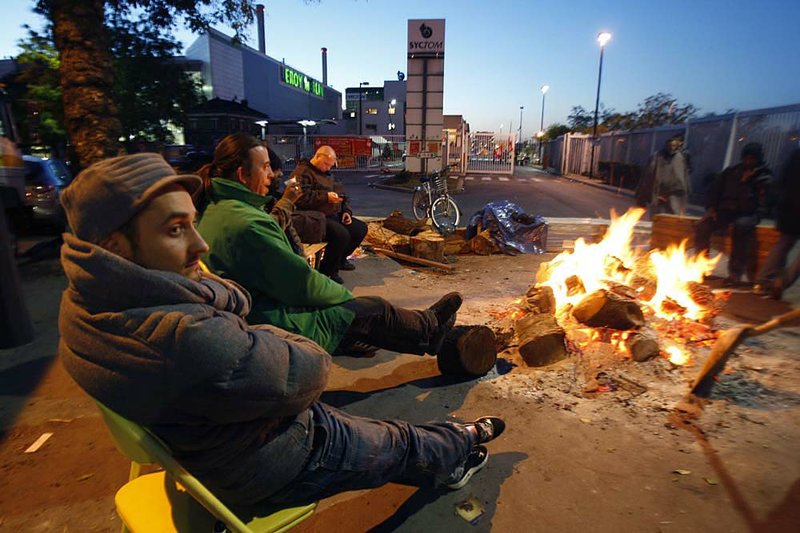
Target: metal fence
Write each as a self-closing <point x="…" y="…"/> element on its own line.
<point x="713" y="143"/>
<point x="491" y="153"/>
<point x="483" y="152"/>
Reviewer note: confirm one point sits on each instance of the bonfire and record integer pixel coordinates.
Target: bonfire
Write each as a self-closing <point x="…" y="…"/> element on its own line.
<point x="643" y="303"/>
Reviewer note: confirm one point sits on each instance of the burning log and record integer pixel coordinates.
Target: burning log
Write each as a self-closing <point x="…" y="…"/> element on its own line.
<point x="624" y="291"/>
<point x="701" y="294"/>
<point x="574" y="286"/>
<point x="541" y="340"/>
<point x="671" y="306"/>
<point x="397" y="223"/>
<point x="606" y="309"/>
<point x="469" y="350"/>
<point x="428" y="245"/>
<point x="540" y="300"/>
<point x="643" y="345"/>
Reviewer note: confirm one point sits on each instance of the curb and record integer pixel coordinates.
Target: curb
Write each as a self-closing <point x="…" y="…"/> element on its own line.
<point x="610" y="188"/>
<point x="391" y="188"/>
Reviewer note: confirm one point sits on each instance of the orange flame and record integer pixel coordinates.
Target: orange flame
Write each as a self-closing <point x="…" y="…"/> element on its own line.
<point x="614" y="260"/>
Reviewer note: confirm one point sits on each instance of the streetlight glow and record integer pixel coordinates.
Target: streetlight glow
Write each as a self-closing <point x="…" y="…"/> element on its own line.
<point x="540" y="135"/>
<point x="603" y="37"/>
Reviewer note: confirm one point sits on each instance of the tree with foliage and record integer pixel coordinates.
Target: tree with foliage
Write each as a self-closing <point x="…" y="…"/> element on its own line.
<point x="661" y="109"/>
<point x="149" y="88"/>
<point x="555" y="131"/>
<point x="35" y="92"/>
<point x="579" y="119"/>
<point x="86" y="74"/>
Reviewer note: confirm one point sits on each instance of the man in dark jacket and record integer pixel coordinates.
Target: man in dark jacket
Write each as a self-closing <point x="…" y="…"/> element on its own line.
<point x="146" y="333"/>
<point x="737" y="198"/>
<point x="321" y="192"/>
<point x="774" y="277"/>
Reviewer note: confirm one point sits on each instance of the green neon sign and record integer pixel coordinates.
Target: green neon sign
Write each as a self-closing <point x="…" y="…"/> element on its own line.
<point x="302" y="82"/>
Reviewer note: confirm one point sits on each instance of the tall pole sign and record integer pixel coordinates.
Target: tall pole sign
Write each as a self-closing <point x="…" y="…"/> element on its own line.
<point x="424" y="95"/>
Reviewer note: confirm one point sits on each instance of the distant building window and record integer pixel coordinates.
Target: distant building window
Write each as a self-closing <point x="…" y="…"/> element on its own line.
<point x="392" y="110"/>
<point x="373" y="127"/>
<point x="372" y="111"/>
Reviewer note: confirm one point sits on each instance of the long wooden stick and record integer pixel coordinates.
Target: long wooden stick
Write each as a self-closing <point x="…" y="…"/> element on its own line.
<point x="412" y="259"/>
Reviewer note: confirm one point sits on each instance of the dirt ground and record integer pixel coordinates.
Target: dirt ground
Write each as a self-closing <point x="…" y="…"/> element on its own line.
<point x="569" y="460"/>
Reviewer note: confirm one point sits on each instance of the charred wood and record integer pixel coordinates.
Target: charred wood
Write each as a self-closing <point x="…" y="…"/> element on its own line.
<point x="606" y="309"/>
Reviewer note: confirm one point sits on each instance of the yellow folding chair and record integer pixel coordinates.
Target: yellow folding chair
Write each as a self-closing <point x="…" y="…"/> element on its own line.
<point x="173" y="500"/>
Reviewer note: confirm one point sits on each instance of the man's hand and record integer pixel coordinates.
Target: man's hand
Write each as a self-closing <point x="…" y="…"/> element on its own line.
<point x="292" y="192"/>
<point x="347" y="219"/>
<point x="334" y="198"/>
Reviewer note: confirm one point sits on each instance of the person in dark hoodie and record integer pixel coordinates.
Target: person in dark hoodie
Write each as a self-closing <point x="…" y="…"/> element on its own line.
<point x="737" y="198"/>
<point x="321" y="192"/>
<point x="774" y="277"/>
<point x="145" y="332"/>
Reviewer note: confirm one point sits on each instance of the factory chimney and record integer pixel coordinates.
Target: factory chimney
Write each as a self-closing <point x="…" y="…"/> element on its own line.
<point x="325" y="66"/>
<point x="262" y="41"/>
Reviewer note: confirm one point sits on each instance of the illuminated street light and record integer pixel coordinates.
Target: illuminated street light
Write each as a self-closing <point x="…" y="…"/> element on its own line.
<point x="603" y="37"/>
<point x="263" y="124"/>
<point x="360" y="99"/>
<point x="545" y="88"/>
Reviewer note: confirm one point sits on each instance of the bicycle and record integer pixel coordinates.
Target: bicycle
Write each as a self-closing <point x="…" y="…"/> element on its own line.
<point x="431" y="199"/>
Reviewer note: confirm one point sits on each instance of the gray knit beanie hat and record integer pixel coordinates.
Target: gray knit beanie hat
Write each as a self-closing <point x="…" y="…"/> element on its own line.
<point x="106" y="195"/>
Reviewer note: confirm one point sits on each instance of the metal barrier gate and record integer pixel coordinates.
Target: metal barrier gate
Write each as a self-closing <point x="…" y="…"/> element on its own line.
<point x="490" y="153"/>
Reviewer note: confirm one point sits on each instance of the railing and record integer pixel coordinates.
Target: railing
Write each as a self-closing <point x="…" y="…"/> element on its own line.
<point x="712" y="143"/>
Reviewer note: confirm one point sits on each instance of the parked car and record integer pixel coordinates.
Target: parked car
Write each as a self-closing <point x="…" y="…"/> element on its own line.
<point x="44" y="181"/>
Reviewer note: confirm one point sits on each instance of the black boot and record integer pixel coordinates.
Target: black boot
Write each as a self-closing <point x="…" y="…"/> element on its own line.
<point x="445" y="311"/>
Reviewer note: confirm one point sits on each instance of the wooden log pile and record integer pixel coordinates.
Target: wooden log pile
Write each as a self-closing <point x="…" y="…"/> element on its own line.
<point x="417" y="239"/>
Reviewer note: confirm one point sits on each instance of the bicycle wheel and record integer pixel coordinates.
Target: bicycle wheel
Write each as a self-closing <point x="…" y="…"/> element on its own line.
<point x="420" y="204"/>
<point x="445" y="215"/>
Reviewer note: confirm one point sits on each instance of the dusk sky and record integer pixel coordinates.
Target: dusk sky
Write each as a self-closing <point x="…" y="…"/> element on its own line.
<point x="715" y="54"/>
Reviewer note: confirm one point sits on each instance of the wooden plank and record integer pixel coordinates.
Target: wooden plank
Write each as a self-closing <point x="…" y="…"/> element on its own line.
<point x="412" y="259"/>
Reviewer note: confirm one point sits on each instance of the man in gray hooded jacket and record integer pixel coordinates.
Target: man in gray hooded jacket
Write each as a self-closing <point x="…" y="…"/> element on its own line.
<point x="146" y="333"/>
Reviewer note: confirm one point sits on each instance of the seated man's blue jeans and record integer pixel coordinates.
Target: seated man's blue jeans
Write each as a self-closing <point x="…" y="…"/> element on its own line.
<point x="354" y="453"/>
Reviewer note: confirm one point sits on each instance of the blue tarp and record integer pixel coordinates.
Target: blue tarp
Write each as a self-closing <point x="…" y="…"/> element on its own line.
<point x="511" y="228"/>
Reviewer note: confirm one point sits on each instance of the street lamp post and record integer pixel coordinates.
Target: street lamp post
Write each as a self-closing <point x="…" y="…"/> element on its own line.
<point x="519" y="140"/>
<point x="545" y="88"/>
<point x="603" y="37"/>
<point x="360" y="99"/>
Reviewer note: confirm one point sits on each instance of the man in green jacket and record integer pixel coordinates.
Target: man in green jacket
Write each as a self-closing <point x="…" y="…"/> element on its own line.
<point x="248" y="246"/>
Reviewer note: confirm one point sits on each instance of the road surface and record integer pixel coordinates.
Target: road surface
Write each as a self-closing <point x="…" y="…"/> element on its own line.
<point x="536" y="192"/>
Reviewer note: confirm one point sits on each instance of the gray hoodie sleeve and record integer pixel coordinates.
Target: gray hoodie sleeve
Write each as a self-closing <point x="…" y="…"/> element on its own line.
<point x="238" y="373"/>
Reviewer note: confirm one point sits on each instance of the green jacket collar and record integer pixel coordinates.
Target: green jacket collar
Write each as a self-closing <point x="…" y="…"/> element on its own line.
<point x="225" y="189"/>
